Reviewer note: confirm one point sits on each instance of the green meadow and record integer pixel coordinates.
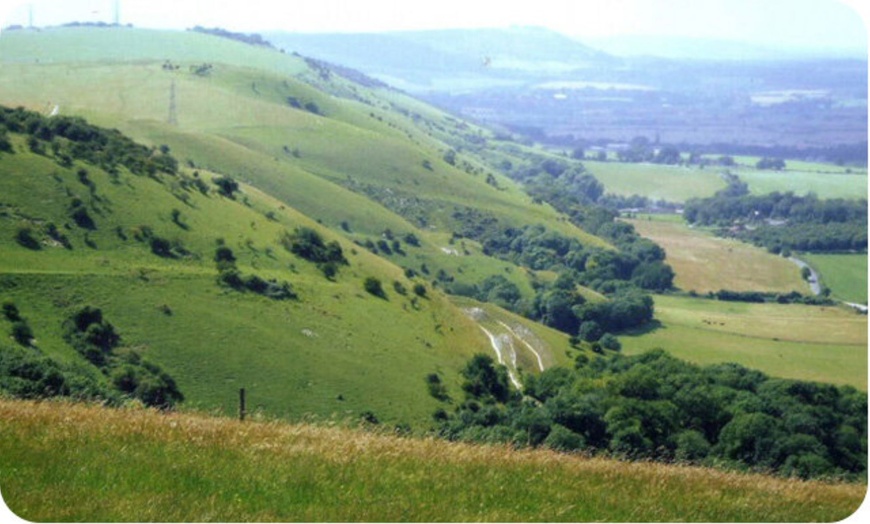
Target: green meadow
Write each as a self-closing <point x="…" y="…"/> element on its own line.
<point x="678" y="184"/>
<point x="825" y="344"/>
<point x="655" y="181"/>
<point x="845" y="275"/>
<point x="804" y="181"/>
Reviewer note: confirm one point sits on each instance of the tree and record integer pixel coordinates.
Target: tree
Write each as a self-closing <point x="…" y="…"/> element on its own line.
<point x="25" y="238"/>
<point x="450" y="157"/>
<point x="484" y="380"/>
<point x="590" y="331"/>
<point x="227" y="186"/>
<point x="776" y="164"/>
<point x="22" y="333"/>
<point x="750" y="438"/>
<point x="654" y="276"/>
<point x="668" y="155"/>
<point x="373" y="286"/>
<point x="610" y="342"/>
<point x="436" y="387"/>
<point x="10" y="311"/>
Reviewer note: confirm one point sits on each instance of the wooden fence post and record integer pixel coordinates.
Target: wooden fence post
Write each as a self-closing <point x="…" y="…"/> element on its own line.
<point x="242" y="404"/>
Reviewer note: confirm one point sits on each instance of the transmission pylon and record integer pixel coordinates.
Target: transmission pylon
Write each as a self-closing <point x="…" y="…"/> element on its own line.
<point x="173" y="115"/>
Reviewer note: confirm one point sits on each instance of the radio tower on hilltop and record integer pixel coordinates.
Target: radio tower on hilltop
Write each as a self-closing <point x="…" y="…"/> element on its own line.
<point x="117" y="14"/>
<point x="173" y="116"/>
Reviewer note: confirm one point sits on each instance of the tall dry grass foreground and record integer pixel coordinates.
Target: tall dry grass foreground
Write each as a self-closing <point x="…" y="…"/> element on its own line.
<point x="73" y="462"/>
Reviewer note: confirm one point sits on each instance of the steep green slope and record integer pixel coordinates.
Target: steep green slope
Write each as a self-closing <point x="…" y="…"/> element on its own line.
<point x="337" y="349"/>
<point x="373" y="165"/>
<point x="242" y="121"/>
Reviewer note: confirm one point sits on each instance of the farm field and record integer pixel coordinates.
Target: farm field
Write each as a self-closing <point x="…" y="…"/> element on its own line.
<point x="802" y="182"/>
<point x="844" y="275"/>
<point x="657" y="182"/>
<point x="85" y="463"/>
<point x="703" y="262"/>
<point x="827" y="344"/>
<point x="678" y="184"/>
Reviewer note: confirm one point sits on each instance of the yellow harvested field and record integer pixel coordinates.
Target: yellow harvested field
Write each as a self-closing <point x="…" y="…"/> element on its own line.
<point x="703" y="262"/>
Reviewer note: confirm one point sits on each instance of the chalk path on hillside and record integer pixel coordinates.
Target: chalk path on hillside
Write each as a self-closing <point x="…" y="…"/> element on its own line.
<point x="496" y="342"/>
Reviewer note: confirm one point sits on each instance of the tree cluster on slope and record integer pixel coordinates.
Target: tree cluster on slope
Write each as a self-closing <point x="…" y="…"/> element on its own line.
<point x="68" y="138"/>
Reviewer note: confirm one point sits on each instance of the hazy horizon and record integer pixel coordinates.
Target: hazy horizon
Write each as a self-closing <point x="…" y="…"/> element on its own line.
<point x="815" y="26"/>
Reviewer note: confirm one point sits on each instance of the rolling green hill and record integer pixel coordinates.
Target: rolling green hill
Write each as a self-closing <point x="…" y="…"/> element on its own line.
<point x="290" y="227"/>
<point x="363" y="165"/>
<point x="322" y="353"/>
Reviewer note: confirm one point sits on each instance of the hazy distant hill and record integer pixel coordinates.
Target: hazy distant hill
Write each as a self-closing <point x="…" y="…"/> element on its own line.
<point x="446" y="59"/>
<point x="554" y="88"/>
<point x="676" y="47"/>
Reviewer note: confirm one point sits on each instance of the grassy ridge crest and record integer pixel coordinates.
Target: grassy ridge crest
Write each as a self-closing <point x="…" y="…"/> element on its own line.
<point x="189" y="467"/>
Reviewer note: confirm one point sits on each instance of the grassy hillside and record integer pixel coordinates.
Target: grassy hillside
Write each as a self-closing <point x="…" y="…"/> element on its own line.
<point x="360" y="142"/>
<point x="74" y="462"/>
<point x="826" y="344"/>
<point x="356" y="162"/>
<point x="325" y="353"/>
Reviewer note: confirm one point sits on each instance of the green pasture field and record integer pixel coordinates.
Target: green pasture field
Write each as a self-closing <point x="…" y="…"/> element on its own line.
<point x="826" y="344"/>
<point x="63" y="462"/>
<point x="845" y="275"/>
<point x="678" y="184"/>
<point x="802" y="182"/>
<point x="703" y="262"/>
<point x="801" y="165"/>
<point x="657" y="182"/>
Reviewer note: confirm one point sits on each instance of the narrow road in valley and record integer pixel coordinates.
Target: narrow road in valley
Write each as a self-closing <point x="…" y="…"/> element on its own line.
<point x="813" y="281"/>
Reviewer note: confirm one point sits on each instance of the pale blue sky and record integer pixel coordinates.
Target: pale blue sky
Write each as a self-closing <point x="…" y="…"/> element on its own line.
<point x="832" y="24"/>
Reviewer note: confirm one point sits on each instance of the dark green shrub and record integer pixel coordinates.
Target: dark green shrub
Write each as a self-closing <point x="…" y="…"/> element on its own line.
<point x="373" y="286"/>
<point x="10" y="311"/>
<point x="420" y="290"/>
<point x="369" y="417"/>
<point x="79" y="213"/>
<point x="224" y="254"/>
<point x="563" y="439"/>
<point x="91" y="335"/>
<point x="227" y="186"/>
<point x="231" y="277"/>
<point x="485" y="380"/>
<point x="25" y="238"/>
<point x="22" y="333"/>
<point x="161" y="247"/>
<point x="436" y="387"/>
<point x="610" y="342"/>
